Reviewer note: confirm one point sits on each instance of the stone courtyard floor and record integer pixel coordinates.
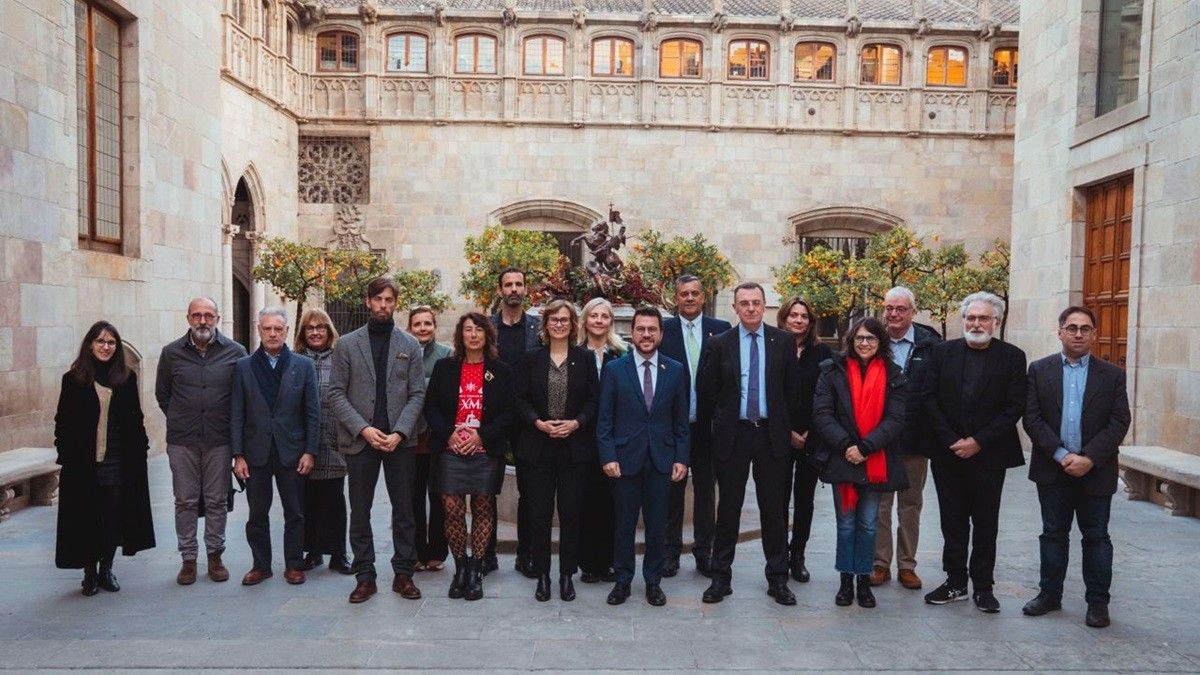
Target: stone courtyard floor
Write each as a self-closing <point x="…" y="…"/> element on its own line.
<point x="153" y="624"/>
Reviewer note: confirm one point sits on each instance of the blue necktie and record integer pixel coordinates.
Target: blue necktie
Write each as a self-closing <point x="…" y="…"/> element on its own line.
<point x="752" y="383"/>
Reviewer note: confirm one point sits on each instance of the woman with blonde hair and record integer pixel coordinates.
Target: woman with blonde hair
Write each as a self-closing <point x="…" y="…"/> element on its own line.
<point x="324" y="489"/>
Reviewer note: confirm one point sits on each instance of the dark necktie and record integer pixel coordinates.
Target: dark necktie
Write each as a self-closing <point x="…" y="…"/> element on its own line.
<point x="647" y="385"/>
<point x="752" y="384"/>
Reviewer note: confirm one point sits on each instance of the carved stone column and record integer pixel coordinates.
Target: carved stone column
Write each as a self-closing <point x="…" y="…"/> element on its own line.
<point x="228" y="232"/>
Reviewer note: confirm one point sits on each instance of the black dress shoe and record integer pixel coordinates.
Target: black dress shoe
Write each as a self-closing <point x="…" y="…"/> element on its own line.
<point x="489" y="563"/>
<point x="524" y="565"/>
<point x="716" y="591"/>
<point x="799" y="571"/>
<point x="1097" y="615"/>
<point x="609" y="576"/>
<point x="704" y="565"/>
<point x="670" y="567"/>
<point x="619" y="594"/>
<point x="91" y="583"/>
<point x="1043" y="603"/>
<point x="782" y="594"/>
<point x="566" y="588"/>
<point x="311" y="561"/>
<point x="340" y="564"/>
<point x="107" y="581"/>
<point x="655" y="595"/>
<point x="542" y="594"/>
<point x="589" y="578"/>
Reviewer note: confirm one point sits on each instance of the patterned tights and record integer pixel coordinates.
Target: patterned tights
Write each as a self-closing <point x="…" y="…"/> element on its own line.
<point x="456" y="523"/>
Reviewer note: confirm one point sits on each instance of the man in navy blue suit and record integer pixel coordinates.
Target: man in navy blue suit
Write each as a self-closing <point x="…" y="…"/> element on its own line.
<point x="683" y="336"/>
<point x="642" y="437"/>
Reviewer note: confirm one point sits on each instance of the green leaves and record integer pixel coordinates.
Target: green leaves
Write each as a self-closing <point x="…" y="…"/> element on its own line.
<point x="661" y="261"/>
<point x="498" y="247"/>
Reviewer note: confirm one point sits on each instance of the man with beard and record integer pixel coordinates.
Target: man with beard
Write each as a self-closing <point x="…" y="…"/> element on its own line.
<point x="974" y="396"/>
<point x="516" y="333"/>
<point x="376" y="393"/>
<point x="195" y="377"/>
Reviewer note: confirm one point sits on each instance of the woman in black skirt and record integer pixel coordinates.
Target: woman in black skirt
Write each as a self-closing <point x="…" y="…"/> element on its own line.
<point x="104" y="497"/>
<point x="469" y="406"/>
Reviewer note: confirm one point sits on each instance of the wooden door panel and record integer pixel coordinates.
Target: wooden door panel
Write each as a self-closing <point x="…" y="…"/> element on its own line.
<point x="1108" y="234"/>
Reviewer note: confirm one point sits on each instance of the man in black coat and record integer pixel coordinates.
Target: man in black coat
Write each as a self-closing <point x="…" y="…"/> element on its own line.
<point x="974" y="396"/>
<point x="683" y="338"/>
<point x="743" y="381"/>
<point x="1076" y="414"/>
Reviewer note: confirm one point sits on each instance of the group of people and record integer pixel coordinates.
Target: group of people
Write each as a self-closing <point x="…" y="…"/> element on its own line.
<point x="602" y="433"/>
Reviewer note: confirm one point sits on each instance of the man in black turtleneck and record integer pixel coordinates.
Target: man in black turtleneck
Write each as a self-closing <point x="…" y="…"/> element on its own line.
<point x="376" y="392"/>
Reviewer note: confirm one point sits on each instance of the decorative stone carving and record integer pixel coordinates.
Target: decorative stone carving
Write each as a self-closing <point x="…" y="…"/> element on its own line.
<point x="309" y="11"/>
<point x="509" y="16"/>
<point x="439" y="12"/>
<point x="369" y="11"/>
<point x="853" y="26"/>
<point x="988" y="30"/>
<point x="923" y="26"/>
<point x="648" y="22"/>
<point x="786" y="23"/>
<point x="718" y="22"/>
<point x="349" y="230"/>
<point x="7" y="494"/>
<point x="334" y="170"/>
<point x="579" y="16"/>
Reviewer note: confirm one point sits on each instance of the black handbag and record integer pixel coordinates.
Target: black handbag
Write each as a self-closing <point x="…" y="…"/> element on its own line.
<point x="233" y="490"/>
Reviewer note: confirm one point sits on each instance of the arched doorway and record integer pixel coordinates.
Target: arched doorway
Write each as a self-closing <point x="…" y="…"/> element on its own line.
<point x="563" y="220"/>
<point x="242" y="219"/>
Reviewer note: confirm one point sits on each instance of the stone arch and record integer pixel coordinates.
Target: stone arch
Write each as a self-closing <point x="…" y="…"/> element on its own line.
<point x="564" y="220"/>
<point x="844" y="221"/>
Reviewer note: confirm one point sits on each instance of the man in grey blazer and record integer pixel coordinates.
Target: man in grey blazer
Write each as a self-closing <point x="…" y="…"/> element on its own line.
<point x="274" y="428"/>
<point x="376" y="393"/>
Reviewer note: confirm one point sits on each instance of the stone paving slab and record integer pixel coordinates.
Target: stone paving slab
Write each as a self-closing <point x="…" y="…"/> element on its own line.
<point x="153" y="625"/>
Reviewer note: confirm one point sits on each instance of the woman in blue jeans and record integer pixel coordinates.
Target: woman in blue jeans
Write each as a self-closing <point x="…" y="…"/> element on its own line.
<point x="858" y="411"/>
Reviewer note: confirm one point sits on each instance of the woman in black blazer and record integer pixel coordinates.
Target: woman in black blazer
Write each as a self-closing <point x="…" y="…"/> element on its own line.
<point x="469" y="409"/>
<point x="104" y="497"/>
<point x="557" y="391"/>
<point x="797" y="317"/>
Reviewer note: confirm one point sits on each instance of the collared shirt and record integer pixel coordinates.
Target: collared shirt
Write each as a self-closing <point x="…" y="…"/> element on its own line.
<point x="641" y="369"/>
<point x="273" y="360"/>
<point x="695" y="325"/>
<point x="1074" y="383"/>
<point x="744" y="346"/>
<point x="902" y="348"/>
<point x="510" y="342"/>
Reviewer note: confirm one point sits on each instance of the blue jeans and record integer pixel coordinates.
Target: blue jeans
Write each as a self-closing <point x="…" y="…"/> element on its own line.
<point x="856" y="532"/>
<point x="1061" y="503"/>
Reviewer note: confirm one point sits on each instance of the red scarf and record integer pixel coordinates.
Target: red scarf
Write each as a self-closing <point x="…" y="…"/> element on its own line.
<point x="867" y="396"/>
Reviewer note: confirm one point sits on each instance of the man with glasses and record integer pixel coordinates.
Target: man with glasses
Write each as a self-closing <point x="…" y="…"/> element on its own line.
<point x="1076" y="414"/>
<point x="974" y="396"/>
<point x="195" y="377"/>
<point x="910" y="344"/>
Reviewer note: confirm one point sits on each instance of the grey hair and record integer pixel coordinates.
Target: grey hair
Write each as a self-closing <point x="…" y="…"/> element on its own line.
<point x="205" y="298"/>
<point x="277" y="311"/>
<point x="687" y="279"/>
<point x="983" y="296"/>
<point x="902" y="292"/>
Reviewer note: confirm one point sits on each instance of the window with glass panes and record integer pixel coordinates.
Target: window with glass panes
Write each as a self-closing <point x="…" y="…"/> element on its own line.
<point x="946" y="67"/>
<point x="1120" y="54"/>
<point x="1004" y="67"/>
<point x="612" y="57"/>
<point x="407" y="53"/>
<point x="98" y="110"/>
<point x="748" y="60"/>
<point x="544" y="55"/>
<point x="880" y="64"/>
<point x="337" y="51"/>
<point x="814" y="61"/>
<point x="475" y="54"/>
<point x="680" y="58"/>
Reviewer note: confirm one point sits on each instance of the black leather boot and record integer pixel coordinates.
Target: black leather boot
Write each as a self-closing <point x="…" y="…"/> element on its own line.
<point x="458" y="585"/>
<point x="566" y="587"/>
<point x="474" y="589"/>
<point x="90" y="583"/>
<point x="845" y="594"/>
<point x="542" y="594"/>
<point x="105" y="578"/>
<point x="865" y="597"/>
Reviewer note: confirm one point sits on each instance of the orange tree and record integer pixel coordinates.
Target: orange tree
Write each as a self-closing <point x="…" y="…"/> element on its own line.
<point x="661" y="261"/>
<point x="834" y="283"/>
<point x="892" y="259"/>
<point x="499" y="247"/>
<point x="294" y="269"/>
<point x="420" y="287"/>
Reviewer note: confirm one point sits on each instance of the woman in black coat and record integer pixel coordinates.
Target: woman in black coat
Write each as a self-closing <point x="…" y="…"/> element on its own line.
<point x="858" y="412"/>
<point x="469" y="407"/>
<point x="104" y="497"/>
<point x="557" y="391"/>
<point x="796" y="317"/>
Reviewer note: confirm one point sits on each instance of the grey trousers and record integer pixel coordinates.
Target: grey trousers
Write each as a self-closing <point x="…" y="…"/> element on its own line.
<point x="195" y="471"/>
<point x="908" y="513"/>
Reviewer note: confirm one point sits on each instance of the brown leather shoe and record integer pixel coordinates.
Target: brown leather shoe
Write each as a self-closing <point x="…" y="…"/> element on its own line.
<point x="880" y="576"/>
<point x="909" y="579"/>
<point x="256" y="577"/>
<point x="187" y="573"/>
<point x="403" y="584"/>
<point x="363" y="591"/>
<point x="293" y="577"/>
<point x="216" y="569"/>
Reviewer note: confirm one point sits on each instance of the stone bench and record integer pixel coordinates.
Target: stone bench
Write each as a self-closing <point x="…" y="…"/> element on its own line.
<point x="28" y="476"/>
<point x="1163" y="476"/>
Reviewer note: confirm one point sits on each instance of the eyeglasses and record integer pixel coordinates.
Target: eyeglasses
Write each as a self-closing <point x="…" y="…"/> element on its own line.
<point x="1072" y="329"/>
<point x="979" y="318"/>
<point x="101" y="342"/>
<point x="206" y="316"/>
<point x="865" y="339"/>
<point x="559" y="320"/>
<point x="896" y="309"/>
<point x="315" y="329"/>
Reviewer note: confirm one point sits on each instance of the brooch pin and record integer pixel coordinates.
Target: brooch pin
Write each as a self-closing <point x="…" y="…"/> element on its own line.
<point x="487" y="375"/>
<point x="402" y="357"/>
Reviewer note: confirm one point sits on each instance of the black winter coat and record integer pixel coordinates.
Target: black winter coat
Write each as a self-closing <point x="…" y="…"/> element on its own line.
<point x="833" y="422"/>
<point x="499" y="405"/>
<point x="583" y="392"/>
<point x="75" y="423"/>
<point x="916" y="429"/>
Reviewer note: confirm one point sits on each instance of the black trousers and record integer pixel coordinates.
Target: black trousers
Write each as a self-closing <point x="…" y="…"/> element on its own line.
<point x="325" y="516"/>
<point x="803" y="486"/>
<point x="646" y="494"/>
<point x="429" y="517"/>
<point x="523" y="517"/>
<point x="258" y="527"/>
<point x="772" y="475"/>
<point x="704" y="498"/>
<point x="1064" y="501"/>
<point x="597" y="522"/>
<point x="562" y="480"/>
<point x="110" y="524"/>
<point x="364" y="469"/>
<point x="969" y="505"/>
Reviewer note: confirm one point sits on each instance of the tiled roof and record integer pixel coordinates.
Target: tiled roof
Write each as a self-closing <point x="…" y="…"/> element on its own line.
<point x="819" y="9"/>
<point x="752" y="7"/>
<point x="614" y="6"/>
<point x="697" y="7"/>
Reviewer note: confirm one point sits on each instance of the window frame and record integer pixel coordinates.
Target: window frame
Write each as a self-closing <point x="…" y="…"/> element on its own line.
<point x="91" y="240"/>
<point x="1014" y="63"/>
<point x="340" y="33"/>
<point x="266" y="23"/>
<point x="833" y="63"/>
<point x="880" y="46"/>
<point x="748" y="42"/>
<point x="387" y="51"/>
<point x="613" y="41"/>
<point x="545" y="38"/>
<point x="474" y="36"/>
<point x="681" y="76"/>
<point x="290" y="39"/>
<point x="966" y="53"/>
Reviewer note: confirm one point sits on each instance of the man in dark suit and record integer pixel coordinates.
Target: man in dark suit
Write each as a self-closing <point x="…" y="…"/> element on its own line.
<point x="642" y="439"/>
<point x="516" y="333"/>
<point x="274" y="429"/>
<point x="974" y="396"/>
<point x="1076" y="414"/>
<point x="743" y="382"/>
<point x="683" y="337"/>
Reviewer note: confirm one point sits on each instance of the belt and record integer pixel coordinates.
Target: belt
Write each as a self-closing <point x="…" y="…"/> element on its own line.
<point x="757" y="424"/>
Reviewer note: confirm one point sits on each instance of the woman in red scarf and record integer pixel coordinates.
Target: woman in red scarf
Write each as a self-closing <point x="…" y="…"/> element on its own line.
<point x="858" y="411"/>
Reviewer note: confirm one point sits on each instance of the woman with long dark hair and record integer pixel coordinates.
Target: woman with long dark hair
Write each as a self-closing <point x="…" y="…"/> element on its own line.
<point x="104" y="497"/>
<point x="858" y="412"/>
<point x="469" y="406"/>
<point x="796" y="316"/>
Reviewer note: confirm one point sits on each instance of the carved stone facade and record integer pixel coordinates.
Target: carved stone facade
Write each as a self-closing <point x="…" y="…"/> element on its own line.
<point x="334" y="170"/>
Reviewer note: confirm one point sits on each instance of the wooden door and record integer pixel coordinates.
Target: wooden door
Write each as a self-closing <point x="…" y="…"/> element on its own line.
<point x="1106" y="264"/>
